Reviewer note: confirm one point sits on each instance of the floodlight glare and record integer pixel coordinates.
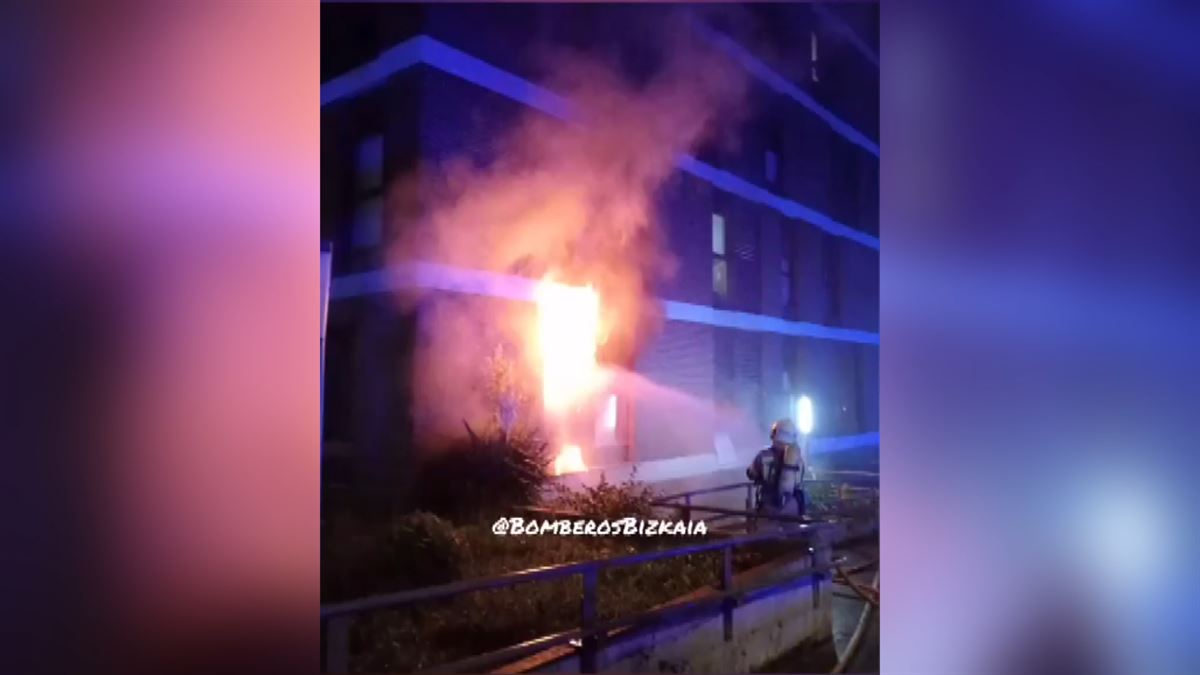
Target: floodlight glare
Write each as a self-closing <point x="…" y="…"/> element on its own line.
<point x="804" y="415"/>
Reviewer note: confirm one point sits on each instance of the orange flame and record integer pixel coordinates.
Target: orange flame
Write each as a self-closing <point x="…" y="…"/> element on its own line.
<point x="568" y="320"/>
<point x="569" y="460"/>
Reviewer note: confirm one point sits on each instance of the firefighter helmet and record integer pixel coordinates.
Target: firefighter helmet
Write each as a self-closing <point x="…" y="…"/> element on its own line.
<point x="783" y="432"/>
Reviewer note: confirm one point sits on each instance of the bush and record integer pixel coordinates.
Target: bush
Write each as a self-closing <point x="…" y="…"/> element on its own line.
<point x="482" y="475"/>
<point x="830" y="498"/>
<point x="488" y="473"/>
<point x="360" y="559"/>
<point x="427" y="549"/>
<point x="608" y="500"/>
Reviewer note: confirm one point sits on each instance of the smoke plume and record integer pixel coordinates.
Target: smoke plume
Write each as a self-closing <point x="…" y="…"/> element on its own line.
<point x="575" y="201"/>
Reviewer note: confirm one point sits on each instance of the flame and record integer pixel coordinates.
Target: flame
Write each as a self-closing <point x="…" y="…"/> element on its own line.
<point x="568" y="321"/>
<point x="569" y="460"/>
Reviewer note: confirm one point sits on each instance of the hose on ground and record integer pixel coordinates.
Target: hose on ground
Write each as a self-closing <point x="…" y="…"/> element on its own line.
<point x="860" y="630"/>
<point x="870" y="595"/>
<point x="859" y="568"/>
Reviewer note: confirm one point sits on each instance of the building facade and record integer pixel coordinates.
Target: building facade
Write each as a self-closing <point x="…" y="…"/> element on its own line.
<point x="777" y="289"/>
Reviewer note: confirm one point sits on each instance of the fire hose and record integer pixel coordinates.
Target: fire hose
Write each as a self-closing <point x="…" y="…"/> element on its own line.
<point x="870" y="595"/>
<point x="858" y="568"/>
<point x="863" y="621"/>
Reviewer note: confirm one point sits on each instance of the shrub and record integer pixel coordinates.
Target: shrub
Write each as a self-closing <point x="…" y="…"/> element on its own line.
<point x="482" y="475"/>
<point x="830" y="498"/>
<point x="607" y="500"/>
<point x="411" y="551"/>
<point x="426" y="548"/>
<point x="489" y="472"/>
<point x="821" y="497"/>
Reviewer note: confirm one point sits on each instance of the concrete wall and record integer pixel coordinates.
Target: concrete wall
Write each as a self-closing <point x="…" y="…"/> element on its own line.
<point x="762" y="630"/>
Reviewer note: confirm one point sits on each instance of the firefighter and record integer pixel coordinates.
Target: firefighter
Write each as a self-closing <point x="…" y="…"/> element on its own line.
<point x="777" y="472"/>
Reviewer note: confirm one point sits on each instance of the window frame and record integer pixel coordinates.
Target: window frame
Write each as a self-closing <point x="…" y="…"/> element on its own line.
<point x="720" y="258"/>
<point x="367" y="192"/>
<point x="814" y="56"/>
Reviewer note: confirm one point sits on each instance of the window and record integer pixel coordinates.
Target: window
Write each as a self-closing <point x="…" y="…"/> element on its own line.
<point x="368" y="224"/>
<point x="790" y="353"/>
<point x="367" y="227"/>
<point x="775" y="143"/>
<point x="368" y="164"/>
<point x="812" y="40"/>
<point x="610" y="413"/>
<point x="606" y="423"/>
<point x="785" y="280"/>
<point x="720" y="277"/>
<point x="720" y="265"/>
<point x="787" y="272"/>
<point x="833" y="280"/>
<point x="614" y="428"/>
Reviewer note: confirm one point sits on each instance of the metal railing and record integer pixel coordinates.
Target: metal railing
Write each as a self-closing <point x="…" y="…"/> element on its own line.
<point x="749" y="486"/>
<point x="687" y="506"/>
<point x="337" y="618"/>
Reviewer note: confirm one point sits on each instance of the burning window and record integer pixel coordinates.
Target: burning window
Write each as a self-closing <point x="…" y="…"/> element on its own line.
<point x="568" y="323"/>
<point x="568" y="320"/>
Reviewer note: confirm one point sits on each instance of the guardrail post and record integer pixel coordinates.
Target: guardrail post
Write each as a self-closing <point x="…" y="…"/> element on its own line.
<point x="687" y="508"/>
<point x="587" y="656"/>
<point x="337" y="644"/>
<point x="749" y="506"/>
<point x="822" y="555"/>
<point x="727" y="585"/>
